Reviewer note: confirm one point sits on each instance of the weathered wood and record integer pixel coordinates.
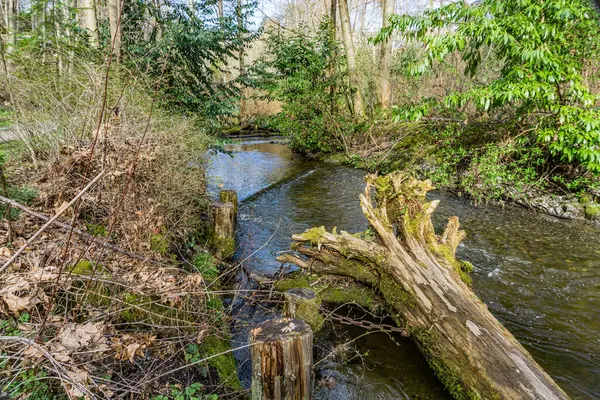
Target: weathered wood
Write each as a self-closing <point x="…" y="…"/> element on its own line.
<point x="304" y="304"/>
<point x="421" y="281"/>
<point x="282" y="361"/>
<point x="230" y="196"/>
<point x="222" y="229"/>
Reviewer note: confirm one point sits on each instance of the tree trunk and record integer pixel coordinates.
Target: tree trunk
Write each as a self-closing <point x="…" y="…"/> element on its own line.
<point x="13" y="24"/>
<point x="281" y="360"/>
<point x="240" y="22"/>
<point x="89" y="20"/>
<point x="423" y="284"/>
<point x="114" y="17"/>
<point x="357" y="104"/>
<point x="385" y="56"/>
<point x="333" y="33"/>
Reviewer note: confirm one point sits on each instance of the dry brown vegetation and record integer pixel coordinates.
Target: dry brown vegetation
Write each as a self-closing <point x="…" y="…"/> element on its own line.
<point x="94" y="322"/>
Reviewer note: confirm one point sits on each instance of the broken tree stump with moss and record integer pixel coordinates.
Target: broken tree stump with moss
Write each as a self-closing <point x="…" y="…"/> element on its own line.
<point x="426" y="288"/>
<point x="282" y="362"/>
<point x="303" y="303"/>
<point x="222" y="229"/>
<point x="230" y="196"/>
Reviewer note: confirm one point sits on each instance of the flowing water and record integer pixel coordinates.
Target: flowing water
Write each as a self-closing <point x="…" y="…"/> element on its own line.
<point x="538" y="275"/>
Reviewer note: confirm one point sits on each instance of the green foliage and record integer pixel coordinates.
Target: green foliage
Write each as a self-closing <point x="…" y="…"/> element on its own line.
<point x="186" y="51"/>
<point x="195" y="391"/>
<point x="21" y="194"/>
<point x="6" y="117"/>
<point x="224" y="364"/>
<point x="543" y="49"/>
<point x="206" y="264"/>
<point x="96" y="230"/>
<point x="30" y="384"/>
<point x="159" y="243"/>
<point x="300" y="70"/>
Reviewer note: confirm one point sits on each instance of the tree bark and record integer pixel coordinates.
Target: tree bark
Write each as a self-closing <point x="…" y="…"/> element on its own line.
<point x="222" y="229"/>
<point x="89" y="20"/>
<point x="13" y="24"/>
<point x="357" y="104"/>
<point x="423" y="283"/>
<point x="385" y="56"/>
<point x="240" y="22"/>
<point x="282" y="360"/>
<point x="114" y="17"/>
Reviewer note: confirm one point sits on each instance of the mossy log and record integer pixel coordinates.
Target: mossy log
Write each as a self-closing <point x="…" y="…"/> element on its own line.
<point x="282" y="361"/>
<point x="422" y="281"/>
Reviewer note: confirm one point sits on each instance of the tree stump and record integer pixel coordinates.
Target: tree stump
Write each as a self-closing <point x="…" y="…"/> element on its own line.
<point x="304" y="304"/>
<point x="230" y="196"/>
<point x="282" y="360"/>
<point x="222" y="229"/>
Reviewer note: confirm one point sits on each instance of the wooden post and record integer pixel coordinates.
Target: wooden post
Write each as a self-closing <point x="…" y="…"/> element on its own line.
<point x="282" y="360"/>
<point x="230" y="196"/>
<point x="222" y="229"/>
<point x="304" y="304"/>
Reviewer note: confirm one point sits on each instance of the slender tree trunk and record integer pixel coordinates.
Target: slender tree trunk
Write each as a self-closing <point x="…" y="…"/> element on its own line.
<point x="385" y="55"/>
<point x="89" y="20"/>
<point x="114" y="17"/>
<point x="357" y="104"/>
<point x="220" y="8"/>
<point x="13" y="24"/>
<point x="240" y="22"/>
<point x="333" y="34"/>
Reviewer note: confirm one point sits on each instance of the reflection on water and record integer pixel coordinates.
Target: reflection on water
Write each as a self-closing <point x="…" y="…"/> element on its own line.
<point x="539" y="275"/>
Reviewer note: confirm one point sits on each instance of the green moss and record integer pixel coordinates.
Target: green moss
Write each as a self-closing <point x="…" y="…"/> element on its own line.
<point x="159" y="243"/>
<point x="143" y="308"/>
<point x="206" y="264"/>
<point x="223" y="364"/>
<point x="97" y="230"/>
<point x="315" y="235"/>
<point x="395" y="296"/>
<point x="592" y="211"/>
<point x="292" y="281"/>
<point x="21" y="194"/>
<point x="352" y="294"/>
<point x="86" y="267"/>
<point x="310" y="312"/>
<point x="461" y="267"/>
<point x="585" y="199"/>
<point x="223" y="247"/>
<point x="450" y="379"/>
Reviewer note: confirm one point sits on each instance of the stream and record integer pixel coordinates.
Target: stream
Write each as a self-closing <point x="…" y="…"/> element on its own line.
<point x="540" y="276"/>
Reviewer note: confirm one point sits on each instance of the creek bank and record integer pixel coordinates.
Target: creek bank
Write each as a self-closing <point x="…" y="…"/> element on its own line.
<point x="560" y="204"/>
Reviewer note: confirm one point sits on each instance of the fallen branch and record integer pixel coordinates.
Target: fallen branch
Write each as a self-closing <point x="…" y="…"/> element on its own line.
<point x="425" y="287"/>
<point x="50" y="222"/>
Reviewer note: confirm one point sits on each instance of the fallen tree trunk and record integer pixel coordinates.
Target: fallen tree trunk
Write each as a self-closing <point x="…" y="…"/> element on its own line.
<point x="423" y="283"/>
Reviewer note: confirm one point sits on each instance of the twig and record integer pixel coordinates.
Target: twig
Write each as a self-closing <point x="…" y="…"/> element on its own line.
<point x="79" y="232"/>
<point x="50" y="222"/>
